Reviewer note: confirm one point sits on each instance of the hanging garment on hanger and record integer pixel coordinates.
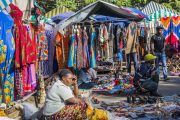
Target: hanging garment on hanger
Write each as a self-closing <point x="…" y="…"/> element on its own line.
<point x="7" y="50"/>
<point x="79" y="49"/>
<point x="42" y="44"/>
<point x="72" y="52"/>
<point x="62" y="50"/>
<point x="132" y="34"/>
<point x="111" y="40"/>
<point x="92" y="50"/>
<point x="103" y="37"/>
<point x="50" y="34"/>
<point x="85" y="49"/>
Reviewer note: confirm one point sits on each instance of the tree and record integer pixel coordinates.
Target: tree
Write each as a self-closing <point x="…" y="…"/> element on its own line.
<point x="75" y="5"/>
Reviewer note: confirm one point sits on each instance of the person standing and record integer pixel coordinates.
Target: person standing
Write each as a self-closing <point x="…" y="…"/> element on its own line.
<point x="158" y="43"/>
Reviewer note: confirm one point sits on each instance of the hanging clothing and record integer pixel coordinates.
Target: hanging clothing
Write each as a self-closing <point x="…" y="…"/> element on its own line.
<point x="24" y="53"/>
<point x="92" y="50"/>
<point x="62" y="50"/>
<point x="20" y="42"/>
<point x="132" y="34"/>
<point x="104" y="43"/>
<point x="42" y="44"/>
<point x="19" y="89"/>
<point x="85" y="50"/>
<point x="79" y="49"/>
<point x="111" y="40"/>
<point x="50" y="34"/>
<point x="7" y="50"/>
<point x="72" y="52"/>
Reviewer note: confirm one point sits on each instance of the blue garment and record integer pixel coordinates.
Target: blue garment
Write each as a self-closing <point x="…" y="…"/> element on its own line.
<point x="72" y="51"/>
<point x="161" y="57"/>
<point x="130" y="57"/>
<point x="83" y="77"/>
<point x="7" y="48"/>
<point x="92" y="50"/>
<point x="119" y="55"/>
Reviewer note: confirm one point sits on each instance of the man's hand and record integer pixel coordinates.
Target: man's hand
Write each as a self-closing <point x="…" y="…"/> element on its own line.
<point x="74" y="80"/>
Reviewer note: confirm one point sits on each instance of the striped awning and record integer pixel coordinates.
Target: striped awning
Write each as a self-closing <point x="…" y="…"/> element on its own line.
<point x="152" y="7"/>
<point x="56" y="11"/>
<point x="161" y="13"/>
<point x="4" y="4"/>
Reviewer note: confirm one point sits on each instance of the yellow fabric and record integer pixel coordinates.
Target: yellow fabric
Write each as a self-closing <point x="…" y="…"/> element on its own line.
<point x="2" y="113"/>
<point x="149" y="57"/>
<point x="99" y="115"/>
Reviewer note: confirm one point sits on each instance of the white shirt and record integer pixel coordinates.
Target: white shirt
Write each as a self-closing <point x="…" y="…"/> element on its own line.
<point x="56" y="97"/>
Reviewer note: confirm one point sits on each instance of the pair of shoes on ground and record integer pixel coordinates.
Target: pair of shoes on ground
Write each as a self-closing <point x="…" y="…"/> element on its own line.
<point x="165" y="79"/>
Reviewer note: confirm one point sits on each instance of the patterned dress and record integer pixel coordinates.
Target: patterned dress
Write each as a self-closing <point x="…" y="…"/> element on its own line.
<point x="85" y="49"/>
<point x="7" y="50"/>
<point x="72" y="52"/>
<point x="79" y="49"/>
<point x="92" y="50"/>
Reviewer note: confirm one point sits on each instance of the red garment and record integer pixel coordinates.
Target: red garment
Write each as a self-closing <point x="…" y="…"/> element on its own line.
<point x="120" y="44"/>
<point x="24" y="53"/>
<point x="30" y="48"/>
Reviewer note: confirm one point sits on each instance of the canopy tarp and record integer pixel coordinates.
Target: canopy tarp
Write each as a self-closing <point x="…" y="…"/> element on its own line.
<point x="137" y="12"/>
<point x="57" y="11"/>
<point x="4" y="4"/>
<point x="61" y="16"/>
<point x="98" y="8"/>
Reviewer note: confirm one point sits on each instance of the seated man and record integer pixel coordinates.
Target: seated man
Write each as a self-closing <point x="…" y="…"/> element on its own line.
<point x="146" y="76"/>
<point x="86" y="78"/>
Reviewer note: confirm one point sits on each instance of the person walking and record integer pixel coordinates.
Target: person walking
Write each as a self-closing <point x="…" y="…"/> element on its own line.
<point x="158" y="43"/>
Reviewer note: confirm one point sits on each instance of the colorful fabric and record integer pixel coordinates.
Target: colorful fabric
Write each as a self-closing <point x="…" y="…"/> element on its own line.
<point x="44" y="68"/>
<point x="72" y="52"/>
<point x="62" y="50"/>
<point x="166" y="22"/>
<point x="69" y="112"/>
<point x="104" y="43"/>
<point x="92" y="50"/>
<point x="79" y="49"/>
<point x="171" y="31"/>
<point x="7" y="50"/>
<point x="18" y="84"/>
<point x="50" y="34"/>
<point x="42" y="44"/>
<point x="85" y="49"/>
<point x="132" y="33"/>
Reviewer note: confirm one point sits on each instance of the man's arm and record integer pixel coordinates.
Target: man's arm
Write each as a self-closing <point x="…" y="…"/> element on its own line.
<point x="74" y="100"/>
<point x="76" y="90"/>
<point x="151" y="45"/>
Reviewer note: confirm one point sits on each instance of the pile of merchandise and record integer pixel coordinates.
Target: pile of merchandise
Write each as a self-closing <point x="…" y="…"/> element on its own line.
<point x="163" y="108"/>
<point x="113" y="85"/>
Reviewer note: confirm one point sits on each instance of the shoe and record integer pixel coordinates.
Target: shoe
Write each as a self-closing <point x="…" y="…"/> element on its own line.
<point x="165" y="79"/>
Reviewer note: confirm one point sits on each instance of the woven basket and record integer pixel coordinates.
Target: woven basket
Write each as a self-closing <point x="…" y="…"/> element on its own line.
<point x="10" y="110"/>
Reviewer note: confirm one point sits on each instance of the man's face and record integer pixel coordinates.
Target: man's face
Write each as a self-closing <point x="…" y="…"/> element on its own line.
<point x="68" y="79"/>
<point x="160" y="31"/>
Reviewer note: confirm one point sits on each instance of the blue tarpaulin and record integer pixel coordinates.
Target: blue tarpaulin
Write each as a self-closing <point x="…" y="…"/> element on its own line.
<point x="136" y="11"/>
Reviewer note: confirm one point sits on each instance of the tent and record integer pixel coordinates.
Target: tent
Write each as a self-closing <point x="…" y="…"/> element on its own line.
<point x="155" y="11"/>
<point x="4" y="4"/>
<point x="98" y="8"/>
<point x="61" y="16"/>
<point x="137" y="12"/>
<point x="57" y="11"/>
